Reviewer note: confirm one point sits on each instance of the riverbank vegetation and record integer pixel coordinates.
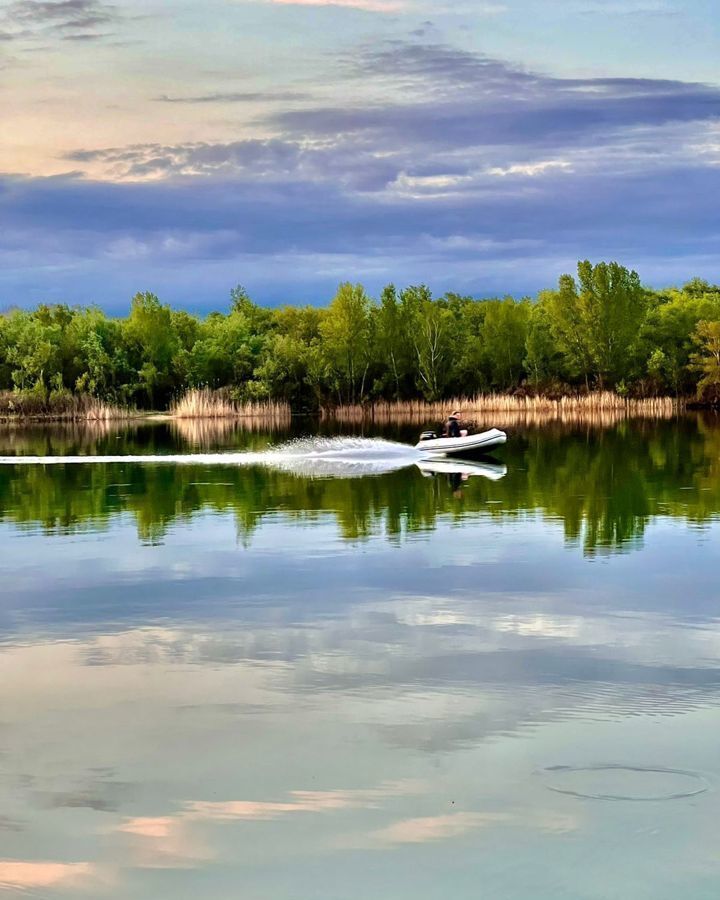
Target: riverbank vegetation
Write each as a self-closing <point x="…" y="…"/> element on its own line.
<point x="203" y="403"/>
<point x="515" y="407"/>
<point x="61" y="406"/>
<point x="599" y="331"/>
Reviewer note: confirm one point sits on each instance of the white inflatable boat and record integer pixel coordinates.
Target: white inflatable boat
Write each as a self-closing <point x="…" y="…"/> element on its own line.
<point x="431" y="446"/>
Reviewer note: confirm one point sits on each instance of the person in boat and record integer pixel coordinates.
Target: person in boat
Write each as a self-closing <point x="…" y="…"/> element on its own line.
<point x="452" y="426"/>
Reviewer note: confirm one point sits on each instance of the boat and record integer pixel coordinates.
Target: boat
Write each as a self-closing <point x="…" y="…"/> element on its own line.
<point x="430" y="445"/>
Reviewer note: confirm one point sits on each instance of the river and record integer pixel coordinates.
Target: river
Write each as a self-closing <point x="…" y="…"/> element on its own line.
<point x="302" y="665"/>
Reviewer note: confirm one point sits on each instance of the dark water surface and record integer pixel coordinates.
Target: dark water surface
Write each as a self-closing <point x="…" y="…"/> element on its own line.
<point x="319" y="670"/>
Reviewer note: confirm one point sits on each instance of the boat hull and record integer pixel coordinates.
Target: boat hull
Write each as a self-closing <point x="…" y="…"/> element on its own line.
<point x="471" y="443"/>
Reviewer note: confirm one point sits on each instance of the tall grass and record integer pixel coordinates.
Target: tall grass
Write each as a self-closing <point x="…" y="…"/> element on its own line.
<point x="63" y="407"/>
<point x="202" y="403"/>
<point x="503" y="406"/>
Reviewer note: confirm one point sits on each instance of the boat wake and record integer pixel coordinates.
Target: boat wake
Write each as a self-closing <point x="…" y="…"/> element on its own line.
<point x="305" y="456"/>
<point x="317" y="457"/>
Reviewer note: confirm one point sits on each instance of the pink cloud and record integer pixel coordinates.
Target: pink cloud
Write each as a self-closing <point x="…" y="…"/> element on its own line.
<point x="381" y="6"/>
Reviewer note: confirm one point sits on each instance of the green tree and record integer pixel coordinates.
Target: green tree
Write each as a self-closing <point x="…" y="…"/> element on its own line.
<point x="32" y="351"/>
<point x="257" y="317"/>
<point x="504" y="336"/>
<point x="288" y="370"/>
<point x="226" y="353"/>
<point x="706" y="360"/>
<point x="542" y="357"/>
<point x="394" y="347"/>
<point x="468" y="363"/>
<point x="596" y="320"/>
<point x="153" y="344"/>
<point x="431" y="332"/>
<point x="667" y="338"/>
<point x="346" y="332"/>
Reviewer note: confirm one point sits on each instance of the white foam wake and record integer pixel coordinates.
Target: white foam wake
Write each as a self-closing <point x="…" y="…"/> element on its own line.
<point x="339" y="456"/>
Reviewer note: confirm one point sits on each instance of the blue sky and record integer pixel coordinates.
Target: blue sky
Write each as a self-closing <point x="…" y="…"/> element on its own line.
<point x="477" y="146"/>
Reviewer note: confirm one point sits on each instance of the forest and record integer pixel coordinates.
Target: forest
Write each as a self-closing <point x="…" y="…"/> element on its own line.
<point x="600" y="329"/>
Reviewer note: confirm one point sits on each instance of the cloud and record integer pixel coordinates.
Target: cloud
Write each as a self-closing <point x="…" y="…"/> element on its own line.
<point x="444" y="111"/>
<point x="296" y="232"/>
<point x="463" y="100"/>
<point x="75" y="20"/>
<point x="379" y="6"/>
<point x="392" y="6"/>
<point x="622" y="10"/>
<point x="530" y="169"/>
<point x="269" y="156"/>
<point x="237" y="97"/>
<point x="460" y="161"/>
<point x="432" y="63"/>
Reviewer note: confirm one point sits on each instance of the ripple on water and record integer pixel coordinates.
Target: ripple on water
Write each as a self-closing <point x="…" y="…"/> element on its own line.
<point x="618" y="782"/>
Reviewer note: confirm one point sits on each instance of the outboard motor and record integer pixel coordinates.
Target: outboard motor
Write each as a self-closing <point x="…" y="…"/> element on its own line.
<point x="428" y="436"/>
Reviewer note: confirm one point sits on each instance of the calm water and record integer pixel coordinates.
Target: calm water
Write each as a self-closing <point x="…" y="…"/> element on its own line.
<point x="321" y="672"/>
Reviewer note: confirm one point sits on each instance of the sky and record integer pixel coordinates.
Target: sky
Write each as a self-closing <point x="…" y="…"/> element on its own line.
<point x="287" y="145"/>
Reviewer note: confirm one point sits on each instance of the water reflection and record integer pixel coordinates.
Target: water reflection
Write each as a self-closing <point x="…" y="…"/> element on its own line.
<point x="366" y="697"/>
<point x="605" y="485"/>
<point x="384" y="737"/>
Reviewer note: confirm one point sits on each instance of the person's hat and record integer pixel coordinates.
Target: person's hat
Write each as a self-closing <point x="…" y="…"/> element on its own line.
<point x="455" y="415"/>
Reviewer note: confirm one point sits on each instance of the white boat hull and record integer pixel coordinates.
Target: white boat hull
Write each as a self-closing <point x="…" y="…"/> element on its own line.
<point x="477" y="443"/>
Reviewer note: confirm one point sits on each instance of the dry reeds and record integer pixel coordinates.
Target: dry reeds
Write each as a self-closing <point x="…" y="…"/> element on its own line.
<point x="27" y="406"/>
<point x="202" y="403"/>
<point x="601" y="405"/>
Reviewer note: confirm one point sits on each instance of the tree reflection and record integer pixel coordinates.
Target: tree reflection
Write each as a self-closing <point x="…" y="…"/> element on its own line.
<point x="603" y="485"/>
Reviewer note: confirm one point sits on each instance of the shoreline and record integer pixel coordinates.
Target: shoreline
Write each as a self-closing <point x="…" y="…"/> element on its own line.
<point x="384" y="412"/>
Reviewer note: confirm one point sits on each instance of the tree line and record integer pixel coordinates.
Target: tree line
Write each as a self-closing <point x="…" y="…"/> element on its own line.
<point x="600" y="329"/>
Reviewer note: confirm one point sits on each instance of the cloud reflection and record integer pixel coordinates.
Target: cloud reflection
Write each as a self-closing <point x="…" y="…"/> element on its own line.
<point x="449" y="826"/>
<point x="162" y="842"/>
<point x="437" y="828"/>
<point x="24" y="875"/>
<point x="303" y="801"/>
<point x="172" y="840"/>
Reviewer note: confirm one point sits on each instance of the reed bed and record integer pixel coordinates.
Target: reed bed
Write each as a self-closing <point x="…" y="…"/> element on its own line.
<point x="601" y="405"/>
<point x="59" y="408"/>
<point x="202" y="403"/>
